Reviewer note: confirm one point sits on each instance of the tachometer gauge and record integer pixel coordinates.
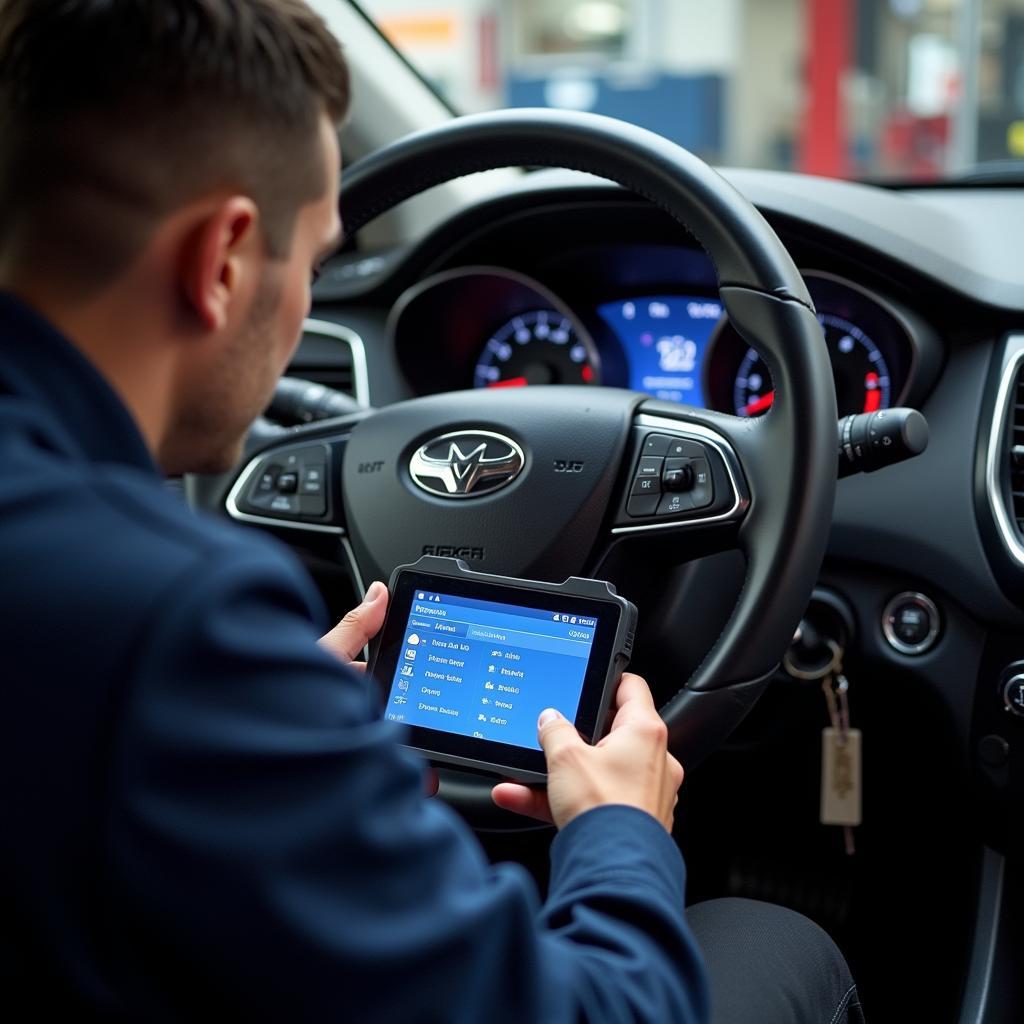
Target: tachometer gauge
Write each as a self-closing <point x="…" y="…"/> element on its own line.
<point x="858" y="367"/>
<point x="537" y="347"/>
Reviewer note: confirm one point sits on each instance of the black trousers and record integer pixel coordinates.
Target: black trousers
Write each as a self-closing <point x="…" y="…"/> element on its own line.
<point x="770" y="965"/>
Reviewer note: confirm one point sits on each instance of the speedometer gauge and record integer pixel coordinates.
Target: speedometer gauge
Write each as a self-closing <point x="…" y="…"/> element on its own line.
<point x="537" y="347"/>
<point x="858" y="367"/>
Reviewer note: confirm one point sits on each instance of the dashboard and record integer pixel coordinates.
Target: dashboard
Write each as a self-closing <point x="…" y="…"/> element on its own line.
<point x="618" y="321"/>
<point x="562" y="279"/>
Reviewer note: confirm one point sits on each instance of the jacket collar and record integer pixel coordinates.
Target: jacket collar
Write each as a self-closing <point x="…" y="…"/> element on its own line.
<point x="39" y="364"/>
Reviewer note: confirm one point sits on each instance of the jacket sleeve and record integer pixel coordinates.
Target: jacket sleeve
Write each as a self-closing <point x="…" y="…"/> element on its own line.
<point x="270" y="853"/>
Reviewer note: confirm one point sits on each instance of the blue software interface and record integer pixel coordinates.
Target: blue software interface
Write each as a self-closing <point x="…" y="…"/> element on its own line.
<point x="487" y="670"/>
<point x="665" y="339"/>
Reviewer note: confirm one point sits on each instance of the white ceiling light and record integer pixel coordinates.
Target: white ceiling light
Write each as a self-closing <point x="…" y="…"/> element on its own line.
<point x="595" y="19"/>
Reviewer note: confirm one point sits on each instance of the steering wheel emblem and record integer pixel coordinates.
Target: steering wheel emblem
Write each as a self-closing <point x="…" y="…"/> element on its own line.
<point x="466" y="464"/>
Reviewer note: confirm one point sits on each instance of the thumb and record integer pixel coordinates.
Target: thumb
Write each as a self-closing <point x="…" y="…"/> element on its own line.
<point x="556" y="734"/>
<point x="360" y="625"/>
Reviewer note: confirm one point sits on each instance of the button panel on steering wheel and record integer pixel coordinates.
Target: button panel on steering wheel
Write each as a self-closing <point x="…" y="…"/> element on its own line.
<point x="677" y="477"/>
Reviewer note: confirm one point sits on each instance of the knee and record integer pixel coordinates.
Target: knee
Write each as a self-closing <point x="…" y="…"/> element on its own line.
<point x="773" y="955"/>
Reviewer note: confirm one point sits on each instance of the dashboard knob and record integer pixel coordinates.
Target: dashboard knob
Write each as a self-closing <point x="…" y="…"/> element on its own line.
<point x="1013" y="695"/>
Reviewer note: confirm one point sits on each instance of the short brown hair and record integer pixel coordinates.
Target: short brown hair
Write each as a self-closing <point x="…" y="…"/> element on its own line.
<point x="114" y="112"/>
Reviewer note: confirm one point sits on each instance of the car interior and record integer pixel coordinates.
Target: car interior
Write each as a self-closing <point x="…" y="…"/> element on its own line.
<point x="649" y="331"/>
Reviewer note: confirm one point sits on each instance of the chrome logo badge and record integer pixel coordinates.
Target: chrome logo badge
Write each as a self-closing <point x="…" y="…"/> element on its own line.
<point x="466" y="464"/>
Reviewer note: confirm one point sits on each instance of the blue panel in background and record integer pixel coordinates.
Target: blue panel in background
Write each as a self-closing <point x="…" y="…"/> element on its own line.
<point x="684" y="108"/>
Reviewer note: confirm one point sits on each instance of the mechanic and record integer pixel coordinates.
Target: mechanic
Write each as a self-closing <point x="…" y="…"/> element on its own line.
<point x="203" y="810"/>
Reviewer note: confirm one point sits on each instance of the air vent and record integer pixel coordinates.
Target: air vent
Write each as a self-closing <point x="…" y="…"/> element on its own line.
<point x="1004" y="470"/>
<point x="1015" y="444"/>
<point x="332" y="374"/>
<point x="333" y="355"/>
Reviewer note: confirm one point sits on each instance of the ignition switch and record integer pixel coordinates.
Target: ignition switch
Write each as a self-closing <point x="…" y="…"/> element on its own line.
<point x="824" y="633"/>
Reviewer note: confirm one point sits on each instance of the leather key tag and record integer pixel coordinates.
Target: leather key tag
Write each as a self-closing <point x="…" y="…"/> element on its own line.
<point x="840" y="777"/>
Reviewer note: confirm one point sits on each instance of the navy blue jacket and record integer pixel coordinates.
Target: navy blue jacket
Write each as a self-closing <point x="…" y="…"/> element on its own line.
<point x="203" y="812"/>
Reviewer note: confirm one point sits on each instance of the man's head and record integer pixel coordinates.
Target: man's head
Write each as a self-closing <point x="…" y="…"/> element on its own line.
<point x="186" y="148"/>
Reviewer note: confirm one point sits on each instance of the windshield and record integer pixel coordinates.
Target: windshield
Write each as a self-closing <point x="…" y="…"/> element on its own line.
<point x="914" y="90"/>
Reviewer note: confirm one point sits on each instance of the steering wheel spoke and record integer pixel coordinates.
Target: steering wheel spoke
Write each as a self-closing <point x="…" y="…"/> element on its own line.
<point x="682" y="475"/>
<point x="293" y="481"/>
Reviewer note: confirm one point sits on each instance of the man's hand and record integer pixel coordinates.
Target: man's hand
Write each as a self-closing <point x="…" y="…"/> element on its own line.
<point x="354" y="632"/>
<point x="358" y="627"/>
<point x="630" y="766"/>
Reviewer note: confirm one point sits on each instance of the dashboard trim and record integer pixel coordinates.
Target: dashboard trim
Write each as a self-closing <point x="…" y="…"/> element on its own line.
<point x="339" y="332"/>
<point x="993" y="482"/>
<point x="732" y="467"/>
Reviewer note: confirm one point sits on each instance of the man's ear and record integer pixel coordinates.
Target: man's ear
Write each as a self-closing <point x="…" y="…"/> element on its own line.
<point x="215" y="259"/>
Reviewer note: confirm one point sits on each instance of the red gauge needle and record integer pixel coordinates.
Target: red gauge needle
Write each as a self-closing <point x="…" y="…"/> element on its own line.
<point x="759" y="404"/>
<point x="872" y="393"/>
<point x="512" y="382"/>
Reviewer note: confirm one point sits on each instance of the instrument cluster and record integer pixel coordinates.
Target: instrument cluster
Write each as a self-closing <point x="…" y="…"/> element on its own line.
<point x="490" y="327"/>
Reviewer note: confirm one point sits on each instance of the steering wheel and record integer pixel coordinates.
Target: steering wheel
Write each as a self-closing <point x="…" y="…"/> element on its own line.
<point x="763" y="485"/>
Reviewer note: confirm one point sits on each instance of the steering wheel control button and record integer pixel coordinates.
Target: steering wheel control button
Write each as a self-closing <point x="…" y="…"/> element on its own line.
<point x="703" y="492"/>
<point x="680" y="449"/>
<point x="678" y="475"/>
<point x="1013" y="695"/>
<point x="643" y="505"/>
<point x="313" y="479"/>
<point x="656" y="444"/>
<point x="267" y="483"/>
<point x="649" y="467"/>
<point x="910" y="623"/>
<point x="672" y="504"/>
<point x="288" y="483"/>
<point x="287" y="503"/>
<point x="646" y="485"/>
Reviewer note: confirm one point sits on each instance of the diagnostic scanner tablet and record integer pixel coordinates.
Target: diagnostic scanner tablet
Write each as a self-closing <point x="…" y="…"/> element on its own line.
<point x="468" y="661"/>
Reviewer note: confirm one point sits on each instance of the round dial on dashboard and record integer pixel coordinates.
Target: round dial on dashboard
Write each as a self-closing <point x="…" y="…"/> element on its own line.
<point x="858" y="367"/>
<point x="540" y="346"/>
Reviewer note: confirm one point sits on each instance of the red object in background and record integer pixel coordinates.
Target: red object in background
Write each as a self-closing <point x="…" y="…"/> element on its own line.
<point x="872" y="393"/>
<point x="914" y="147"/>
<point x="488" y="39"/>
<point x="827" y="55"/>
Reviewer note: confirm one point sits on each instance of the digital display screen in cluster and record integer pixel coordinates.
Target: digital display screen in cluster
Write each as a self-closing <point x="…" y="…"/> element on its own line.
<point x="665" y="339"/>
<point x="485" y="669"/>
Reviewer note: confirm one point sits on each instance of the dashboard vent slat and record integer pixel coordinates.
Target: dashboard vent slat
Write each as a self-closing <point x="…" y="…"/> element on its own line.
<point x="1004" y="459"/>
<point x="333" y="355"/>
<point x="1014" y="457"/>
<point x="324" y="361"/>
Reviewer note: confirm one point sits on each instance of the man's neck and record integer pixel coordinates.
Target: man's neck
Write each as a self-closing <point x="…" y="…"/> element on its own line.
<point x="141" y="373"/>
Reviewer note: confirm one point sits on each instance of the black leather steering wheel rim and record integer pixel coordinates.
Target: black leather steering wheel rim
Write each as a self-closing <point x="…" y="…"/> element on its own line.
<point x="788" y="455"/>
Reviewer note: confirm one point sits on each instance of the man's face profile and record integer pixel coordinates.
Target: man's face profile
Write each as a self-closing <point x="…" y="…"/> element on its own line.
<point x="219" y="402"/>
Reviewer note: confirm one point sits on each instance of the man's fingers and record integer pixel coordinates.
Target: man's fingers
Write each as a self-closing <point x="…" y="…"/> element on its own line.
<point x="532" y="803"/>
<point x="634" y="703"/>
<point x="556" y="734"/>
<point x="675" y="771"/>
<point x="360" y="625"/>
<point x="633" y="688"/>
